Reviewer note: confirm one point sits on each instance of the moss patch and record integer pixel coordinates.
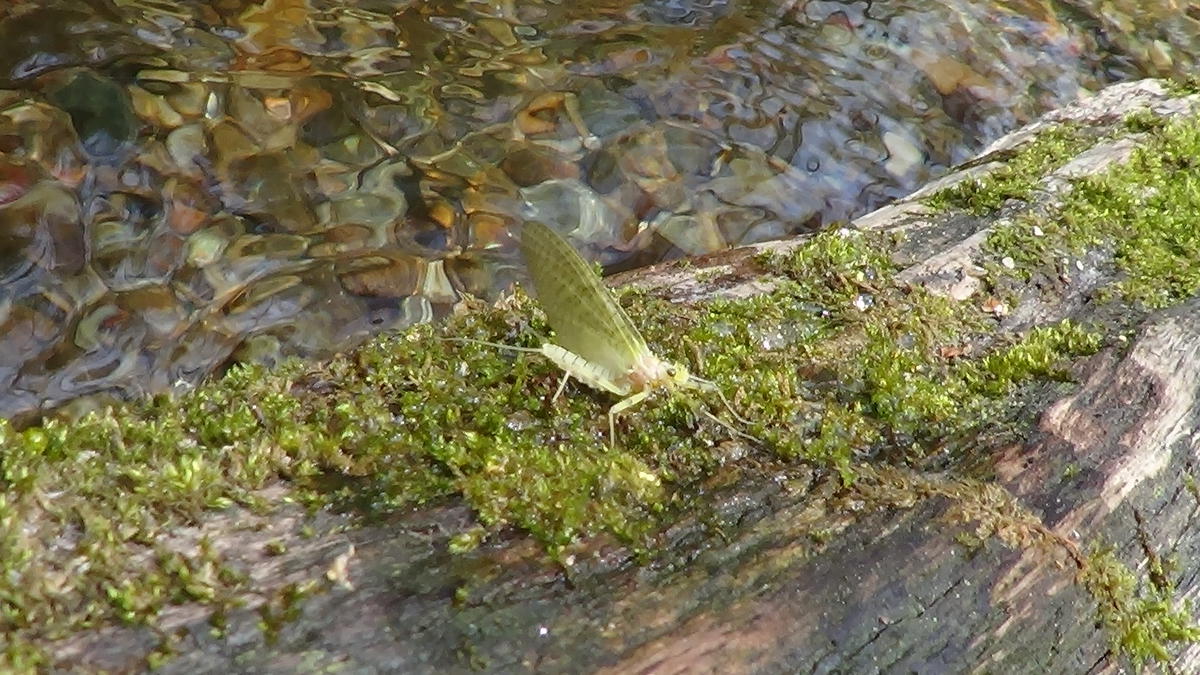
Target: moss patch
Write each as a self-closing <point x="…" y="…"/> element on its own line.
<point x="1019" y="174"/>
<point x="1143" y="620"/>
<point x="1141" y="212"/>
<point x="1145" y="210"/>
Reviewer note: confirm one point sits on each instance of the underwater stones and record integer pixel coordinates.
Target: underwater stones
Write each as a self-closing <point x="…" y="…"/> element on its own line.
<point x="574" y="208"/>
<point x="100" y="109"/>
<point x="379" y="276"/>
<point x="43" y="227"/>
<point x="15" y="180"/>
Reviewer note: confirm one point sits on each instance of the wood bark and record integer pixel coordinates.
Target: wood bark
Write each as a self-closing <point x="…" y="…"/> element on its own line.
<point x="748" y="588"/>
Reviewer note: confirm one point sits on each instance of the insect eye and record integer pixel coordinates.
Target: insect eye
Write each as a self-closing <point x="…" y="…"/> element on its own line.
<point x="671" y="371"/>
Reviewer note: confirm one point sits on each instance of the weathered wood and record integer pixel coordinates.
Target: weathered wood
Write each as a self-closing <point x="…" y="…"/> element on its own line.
<point x="915" y="572"/>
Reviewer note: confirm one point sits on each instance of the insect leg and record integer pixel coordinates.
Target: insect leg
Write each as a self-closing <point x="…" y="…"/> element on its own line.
<point x="702" y="384"/>
<point x="619" y="407"/>
<point x="561" y="385"/>
<point x="730" y="428"/>
<point x="710" y="386"/>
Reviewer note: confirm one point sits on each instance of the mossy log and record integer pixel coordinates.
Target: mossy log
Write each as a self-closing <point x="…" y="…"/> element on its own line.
<point x="988" y="563"/>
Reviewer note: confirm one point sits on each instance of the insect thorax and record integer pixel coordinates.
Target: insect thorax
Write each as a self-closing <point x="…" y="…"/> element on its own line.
<point x="651" y="372"/>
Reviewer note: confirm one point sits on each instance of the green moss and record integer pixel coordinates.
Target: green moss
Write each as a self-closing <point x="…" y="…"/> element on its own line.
<point x="1024" y="247"/>
<point x="1018" y="176"/>
<point x="1139" y="210"/>
<point x="1143" y="121"/>
<point x="879" y="377"/>
<point x="1141" y="215"/>
<point x="1143" y="210"/>
<point x="283" y="608"/>
<point x="1184" y="84"/>
<point x="1143" y="619"/>
<point x="1189" y="483"/>
<point x="1044" y="353"/>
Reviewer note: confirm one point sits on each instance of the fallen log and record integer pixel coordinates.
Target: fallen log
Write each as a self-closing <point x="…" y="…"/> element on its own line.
<point x="1063" y="542"/>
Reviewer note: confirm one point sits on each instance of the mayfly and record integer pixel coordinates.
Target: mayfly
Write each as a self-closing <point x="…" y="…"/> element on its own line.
<point x="595" y="341"/>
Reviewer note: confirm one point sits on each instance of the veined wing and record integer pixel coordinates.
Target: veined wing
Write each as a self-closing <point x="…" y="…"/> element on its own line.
<point x="585" y="316"/>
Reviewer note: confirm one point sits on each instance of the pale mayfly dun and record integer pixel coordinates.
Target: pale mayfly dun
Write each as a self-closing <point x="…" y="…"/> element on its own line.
<point x="595" y="341"/>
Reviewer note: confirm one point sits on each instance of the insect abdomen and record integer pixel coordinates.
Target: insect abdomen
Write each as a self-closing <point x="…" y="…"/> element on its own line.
<point x="591" y="374"/>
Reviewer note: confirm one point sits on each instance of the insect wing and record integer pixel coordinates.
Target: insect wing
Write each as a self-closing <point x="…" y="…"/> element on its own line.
<point x="586" y="318"/>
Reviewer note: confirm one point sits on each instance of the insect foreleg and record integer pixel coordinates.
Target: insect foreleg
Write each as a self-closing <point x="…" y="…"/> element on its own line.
<point x="709" y="386"/>
<point x="730" y="428"/>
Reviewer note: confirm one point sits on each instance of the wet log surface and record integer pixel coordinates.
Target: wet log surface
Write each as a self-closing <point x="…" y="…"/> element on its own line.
<point x="915" y="572"/>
